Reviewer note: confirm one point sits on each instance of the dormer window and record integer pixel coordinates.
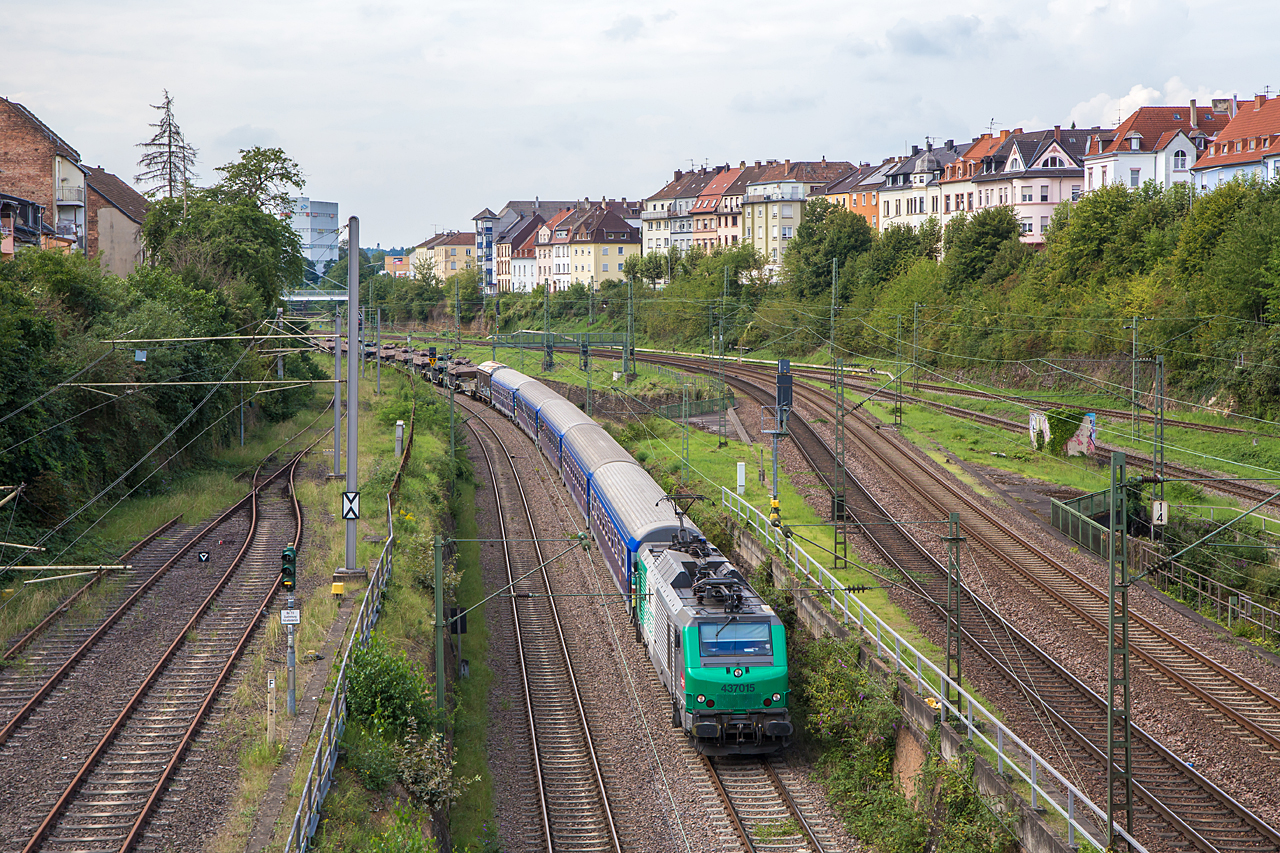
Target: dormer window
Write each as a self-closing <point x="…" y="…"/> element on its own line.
<point x="1053" y="163"/>
<point x="1135" y="143"/>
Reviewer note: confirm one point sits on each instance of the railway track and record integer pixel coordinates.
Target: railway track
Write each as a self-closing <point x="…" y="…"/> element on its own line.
<point x="1173" y="800"/>
<point x="761" y="807"/>
<point x="86" y="761"/>
<point x="573" y="802"/>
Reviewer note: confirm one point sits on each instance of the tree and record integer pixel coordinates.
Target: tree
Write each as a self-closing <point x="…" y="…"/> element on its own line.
<point x="169" y="161"/>
<point x="976" y="245"/>
<point x="263" y="176"/>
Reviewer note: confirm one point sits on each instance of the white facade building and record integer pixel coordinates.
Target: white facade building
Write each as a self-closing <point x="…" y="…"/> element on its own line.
<point x="316" y="223"/>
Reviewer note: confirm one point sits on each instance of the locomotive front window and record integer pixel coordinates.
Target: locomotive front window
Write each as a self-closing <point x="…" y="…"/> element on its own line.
<point x="735" y="639"/>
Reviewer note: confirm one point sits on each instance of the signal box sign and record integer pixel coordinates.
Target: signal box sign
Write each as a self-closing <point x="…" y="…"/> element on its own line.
<point x="290" y="617"/>
<point x="350" y="506"/>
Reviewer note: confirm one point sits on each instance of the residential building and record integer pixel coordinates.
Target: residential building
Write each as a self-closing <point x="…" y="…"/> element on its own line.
<point x="453" y="253"/>
<point x="422" y="257"/>
<point x="1035" y="172"/>
<point x="551" y="250"/>
<point x="840" y="191"/>
<point x="956" y="185"/>
<point x="21" y="224"/>
<point x="488" y="225"/>
<point x="729" y="216"/>
<point x="773" y="205"/>
<point x="864" y="196"/>
<point x="316" y="223"/>
<point x="705" y="211"/>
<point x="912" y="191"/>
<point x="1248" y="146"/>
<point x="524" y="263"/>
<point x="1158" y="144"/>
<point x="42" y="167"/>
<point x="667" y="217"/>
<point x="598" y="244"/>
<point x="397" y="266"/>
<point x="115" y="215"/>
<point x="516" y="233"/>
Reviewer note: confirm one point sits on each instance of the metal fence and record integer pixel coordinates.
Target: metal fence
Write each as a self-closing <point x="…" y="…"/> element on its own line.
<point x="1228" y="604"/>
<point x="1073" y="518"/>
<point x="1049" y="788"/>
<point x="706" y="406"/>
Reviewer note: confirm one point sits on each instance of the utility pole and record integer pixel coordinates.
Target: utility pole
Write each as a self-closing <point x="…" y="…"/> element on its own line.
<point x="379" y="345"/>
<point x="497" y="324"/>
<point x="337" y="393"/>
<point x="684" y="420"/>
<point x="1157" y="444"/>
<point x="591" y="302"/>
<point x="628" y="365"/>
<point x="280" y="331"/>
<point x="351" y="499"/>
<point x="839" y="512"/>
<point x="897" y="408"/>
<point x="439" y="583"/>
<point x="835" y="283"/>
<point x="548" y="351"/>
<point x="1133" y="422"/>
<point x="1119" y="744"/>
<point x="915" y="348"/>
<point x="781" y="412"/>
<point x="953" y="540"/>
<point x="586" y="365"/>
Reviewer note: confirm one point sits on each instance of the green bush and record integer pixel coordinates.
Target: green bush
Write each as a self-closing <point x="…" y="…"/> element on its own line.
<point x="369" y="757"/>
<point x="403" y="836"/>
<point x="386" y="691"/>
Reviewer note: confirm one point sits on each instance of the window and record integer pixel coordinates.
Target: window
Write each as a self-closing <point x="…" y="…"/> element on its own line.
<point x="453" y="265"/>
<point x="1044" y="192"/>
<point x="774" y="210"/>
<point x="946" y="204"/>
<point x="969" y="202"/>
<point x="775" y="232"/>
<point x="934" y="206"/>
<point x="787" y="231"/>
<point x="1180" y="160"/>
<point x="1090" y="177"/>
<point x="1053" y="163"/>
<point x="1026" y="194"/>
<point x="1104" y="175"/>
<point x="1044" y="224"/>
<point x="605" y="250"/>
<point x="1135" y="177"/>
<point x="748" y="230"/>
<point x="787" y="211"/>
<point x="734" y="223"/>
<point x="1026" y="226"/>
<point x="453" y="252"/>
<point x="605" y="267"/>
<point x="1135" y="144"/>
<point x="897" y="207"/>
<point x="1075" y="192"/>
<point x="735" y="639"/>
<point x="886" y="208"/>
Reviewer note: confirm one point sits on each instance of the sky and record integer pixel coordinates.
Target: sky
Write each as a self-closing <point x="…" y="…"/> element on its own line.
<point x="415" y="116"/>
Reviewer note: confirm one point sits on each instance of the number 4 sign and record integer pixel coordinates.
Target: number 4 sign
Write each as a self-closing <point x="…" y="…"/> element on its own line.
<point x="1160" y="513"/>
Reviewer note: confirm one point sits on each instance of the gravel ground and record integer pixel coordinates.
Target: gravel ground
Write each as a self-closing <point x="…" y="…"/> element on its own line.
<point x="656" y="782"/>
<point x="1237" y="767"/>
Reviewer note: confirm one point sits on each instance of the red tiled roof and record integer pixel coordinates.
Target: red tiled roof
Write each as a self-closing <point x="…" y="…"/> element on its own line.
<point x="806" y="170"/>
<point x="1151" y="123"/>
<point x="1250" y="122"/>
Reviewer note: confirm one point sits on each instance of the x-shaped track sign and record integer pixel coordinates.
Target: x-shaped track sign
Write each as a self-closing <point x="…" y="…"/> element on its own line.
<point x="350" y="506"/>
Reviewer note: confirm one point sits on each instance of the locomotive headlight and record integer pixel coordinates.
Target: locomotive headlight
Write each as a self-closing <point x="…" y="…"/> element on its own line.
<point x="737" y="673"/>
<point x="701" y="698"/>
<point x="777" y="697"/>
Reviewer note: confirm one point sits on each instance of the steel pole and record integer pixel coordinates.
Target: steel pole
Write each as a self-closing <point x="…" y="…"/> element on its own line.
<point x="353" y="378"/>
<point x="337" y="393"/>
<point x="379" y="362"/>
<point x="292" y="661"/>
<point x="439" y="579"/>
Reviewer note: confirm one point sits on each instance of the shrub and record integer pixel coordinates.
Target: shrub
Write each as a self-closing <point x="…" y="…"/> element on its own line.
<point x="369" y="757"/>
<point x="387" y="690"/>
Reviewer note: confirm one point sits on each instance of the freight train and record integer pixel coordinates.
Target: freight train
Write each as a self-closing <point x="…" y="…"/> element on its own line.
<point x="717" y="647"/>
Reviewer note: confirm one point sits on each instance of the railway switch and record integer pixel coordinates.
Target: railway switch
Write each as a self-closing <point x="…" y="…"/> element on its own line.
<point x="289" y="567"/>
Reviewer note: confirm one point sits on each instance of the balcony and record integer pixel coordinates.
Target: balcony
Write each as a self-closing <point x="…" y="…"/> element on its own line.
<point x="70" y="195"/>
<point x="67" y="229"/>
<point x="656" y="214"/>
<point x="757" y="199"/>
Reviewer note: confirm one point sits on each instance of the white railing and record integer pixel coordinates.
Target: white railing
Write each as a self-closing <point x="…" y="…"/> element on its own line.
<point x="320" y="776"/>
<point x="1012" y="754"/>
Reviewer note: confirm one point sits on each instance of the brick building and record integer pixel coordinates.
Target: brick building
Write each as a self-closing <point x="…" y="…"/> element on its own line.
<point x="115" y="212"/>
<point x="37" y="164"/>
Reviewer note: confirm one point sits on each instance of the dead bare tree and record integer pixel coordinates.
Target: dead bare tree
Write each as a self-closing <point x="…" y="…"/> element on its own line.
<point x="168" y="164"/>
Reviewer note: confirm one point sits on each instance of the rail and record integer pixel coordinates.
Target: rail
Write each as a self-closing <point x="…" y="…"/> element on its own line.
<point x="906" y="659"/>
<point x="320" y="776"/>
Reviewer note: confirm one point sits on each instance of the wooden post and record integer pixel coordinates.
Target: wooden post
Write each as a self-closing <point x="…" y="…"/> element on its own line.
<point x="271" y="707"/>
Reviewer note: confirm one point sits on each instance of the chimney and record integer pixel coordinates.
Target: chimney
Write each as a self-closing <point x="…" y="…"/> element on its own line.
<point x="1258" y="101"/>
<point x="1057" y="132"/>
<point x="1004" y="134"/>
<point x="742" y="164"/>
<point x="1195" y="117"/>
<point x="915" y="149"/>
<point x="757" y="164"/>
<point x="786" y="165"/>
<point x="824" y="159"/>
<point x="678" y="174"/>
<point x="951" y="143"/>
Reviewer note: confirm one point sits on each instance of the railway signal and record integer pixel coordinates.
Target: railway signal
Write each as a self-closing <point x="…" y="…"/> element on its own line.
<point x="289" y="567"/>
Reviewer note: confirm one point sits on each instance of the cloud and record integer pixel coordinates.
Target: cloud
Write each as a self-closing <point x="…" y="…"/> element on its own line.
<point x="771" y="102"/>
<point x="625" y="28"/>
<point x="1107" y="111"/>
<point x="942" y="39"/>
